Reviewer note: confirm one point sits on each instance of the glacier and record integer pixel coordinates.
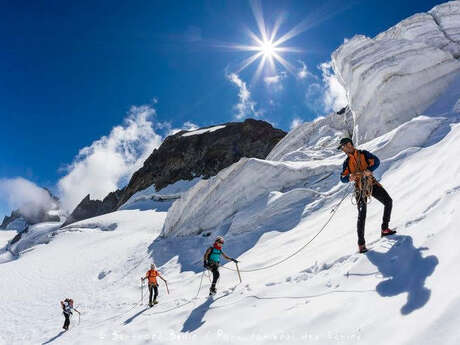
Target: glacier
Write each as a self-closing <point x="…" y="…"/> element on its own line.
<point x="403" y="291"/>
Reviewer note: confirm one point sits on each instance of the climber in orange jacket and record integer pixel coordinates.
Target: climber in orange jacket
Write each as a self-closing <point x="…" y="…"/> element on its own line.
<point x="358" y="167"/>
<point x="152" y="275"/>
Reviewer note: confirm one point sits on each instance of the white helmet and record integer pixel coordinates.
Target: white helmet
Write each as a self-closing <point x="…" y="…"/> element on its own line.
<point x="152" y="266"/>
<point x="219" y="239"/>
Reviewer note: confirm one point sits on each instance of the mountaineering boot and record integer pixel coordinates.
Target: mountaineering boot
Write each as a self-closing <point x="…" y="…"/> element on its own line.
<point x="150" y="305"/>
<point x="388" y="232"/>
<point x="155" y="301"/>
<point x="362" y="248"/>
<point x="212" y="291"/>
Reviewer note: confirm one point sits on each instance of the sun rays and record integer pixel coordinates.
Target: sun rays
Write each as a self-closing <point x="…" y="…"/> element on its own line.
<point x="266" y="46"/>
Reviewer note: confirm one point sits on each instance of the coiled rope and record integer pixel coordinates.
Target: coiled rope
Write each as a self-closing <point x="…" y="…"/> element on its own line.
<point x="363" y="190"/>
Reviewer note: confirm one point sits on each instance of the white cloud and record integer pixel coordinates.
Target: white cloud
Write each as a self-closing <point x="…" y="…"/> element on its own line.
<point x="110" y="161"/>
<point x="189" y="126"/>
<point x="167" y="126"/>
<point x="335" y="96"/>
<point x="23" y="194"/>
<point x="246" y="106"/>
<point x="296" y="122"/>
<point x="303" y="72"/>
<point x="327" y="96"/>
<point x="274" y="82"/>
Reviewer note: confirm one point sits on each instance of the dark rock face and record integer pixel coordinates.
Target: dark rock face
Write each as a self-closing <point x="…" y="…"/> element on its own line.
<point x="18" y="236"/>
<point x="184" y="157"/>
<point x="88" y="208"/>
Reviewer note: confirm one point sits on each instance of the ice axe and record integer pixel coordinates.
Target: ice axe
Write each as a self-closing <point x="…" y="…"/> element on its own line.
<point x="167" y="289"/>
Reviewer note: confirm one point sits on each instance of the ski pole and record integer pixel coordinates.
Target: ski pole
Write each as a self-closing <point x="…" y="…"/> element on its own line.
<point x="142" y="291"/>
<point x="209" y="277"/>
<point x="201" y="281"/>
<point x="166" y="283"/>
<point x="238" y="270"/>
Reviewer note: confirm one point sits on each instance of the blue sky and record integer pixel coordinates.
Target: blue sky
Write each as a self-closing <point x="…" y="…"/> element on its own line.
<point x="71" y="71"/>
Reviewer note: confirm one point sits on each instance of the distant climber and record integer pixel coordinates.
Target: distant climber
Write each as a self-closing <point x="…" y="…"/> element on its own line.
<point x="212" y="261"/>
<point x="152" y="275"/>
<point x="358" y="167"/>
<point x="67" y="308"/>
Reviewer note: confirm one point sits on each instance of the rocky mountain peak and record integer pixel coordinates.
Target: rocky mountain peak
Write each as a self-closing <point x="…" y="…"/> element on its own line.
<point x="186" y="155"/>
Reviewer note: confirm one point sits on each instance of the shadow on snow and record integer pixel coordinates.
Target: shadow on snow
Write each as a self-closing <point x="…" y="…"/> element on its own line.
<point x="406" y="270"/>
<point x="54" y="338"/>
<point x="195" y="319"/>
<point x="131" y="319"/>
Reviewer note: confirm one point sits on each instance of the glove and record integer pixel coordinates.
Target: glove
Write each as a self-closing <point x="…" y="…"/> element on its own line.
<point x="235" y="260"/>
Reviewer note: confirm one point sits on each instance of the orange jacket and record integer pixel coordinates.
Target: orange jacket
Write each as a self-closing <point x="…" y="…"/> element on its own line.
<point x="359" y="161"/>
<point x="152" y="276"/>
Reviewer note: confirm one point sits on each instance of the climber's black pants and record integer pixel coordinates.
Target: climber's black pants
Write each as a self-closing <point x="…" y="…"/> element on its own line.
<point x="381" y="195"/>
<point x="67" y="321"/>
<point x="153" y="289"/>
<point x="214" y="268"/>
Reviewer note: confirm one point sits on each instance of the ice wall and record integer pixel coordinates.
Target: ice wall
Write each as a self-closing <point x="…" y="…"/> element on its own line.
<point x="401" y="72"/>
<point x="314" y="140"/>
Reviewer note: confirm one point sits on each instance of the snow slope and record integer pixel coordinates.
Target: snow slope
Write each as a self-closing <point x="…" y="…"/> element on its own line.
<point x="322" y="295"/>
<point x="89" y="262"/>
<point x="403" y="291"/>
<point x="170" y="192"/>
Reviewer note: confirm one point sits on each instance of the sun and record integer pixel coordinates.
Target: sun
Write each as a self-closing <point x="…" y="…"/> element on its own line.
<point x="267" y="47"/>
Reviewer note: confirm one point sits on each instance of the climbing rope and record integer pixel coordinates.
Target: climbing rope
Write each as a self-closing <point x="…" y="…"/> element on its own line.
<point x="364" y="186"/>
<point x="333" y="212"/>
<point x="363" y="190"/>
